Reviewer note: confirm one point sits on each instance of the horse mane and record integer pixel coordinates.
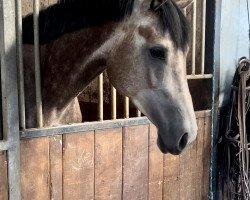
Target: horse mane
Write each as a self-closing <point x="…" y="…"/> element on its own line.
<point x="72" y="15"/>
<point x="175" y="22"/>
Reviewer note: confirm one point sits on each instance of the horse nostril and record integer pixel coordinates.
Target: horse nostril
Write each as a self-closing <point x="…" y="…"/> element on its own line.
<point x="183" y="141"/>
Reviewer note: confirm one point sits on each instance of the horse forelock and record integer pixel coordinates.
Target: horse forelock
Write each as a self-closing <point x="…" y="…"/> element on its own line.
<point x="174" y="21"/>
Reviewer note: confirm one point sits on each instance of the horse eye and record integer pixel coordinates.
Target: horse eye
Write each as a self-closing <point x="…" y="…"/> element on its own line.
<point x="158" y="52"/>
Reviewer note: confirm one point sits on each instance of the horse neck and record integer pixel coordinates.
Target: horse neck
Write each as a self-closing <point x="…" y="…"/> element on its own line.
<point x="71" y="63"/>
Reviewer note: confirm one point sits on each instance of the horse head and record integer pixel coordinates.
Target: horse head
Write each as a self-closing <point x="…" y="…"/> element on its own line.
<point x="149" y="66"/>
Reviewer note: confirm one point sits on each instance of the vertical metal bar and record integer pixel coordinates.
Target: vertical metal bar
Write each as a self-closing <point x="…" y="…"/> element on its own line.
<point x="100" y="97"/>
<point x="126" y="107"/>
<point x="113" y="103"/>
<point x="14" y="171"/>
<point x="21" y="95"/>
<point x="10" y="94"/>
<point x="39" y="109"/>
<point x="185" y="11"/>
<point x="138" y="113"/>
<point x="194" y="38"/>
<point x="203" y="37"/>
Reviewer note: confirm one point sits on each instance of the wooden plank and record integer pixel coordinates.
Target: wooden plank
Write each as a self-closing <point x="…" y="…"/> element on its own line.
<point x="186" y="184"/>
<point x="135" y="163"/>
<point x="199" y="158"/>
<point x="78" y="166"/>
<point x="206" y="156"/>
<point x="108" y="164"/>
<point x="171" y="177"/>
<point x="55" y="167"/>
<point x="187" y="160"/>
<point x="155" y="167"/>
<point x="187" y="168"/>
<point x="3" y="175"/>
<point x="35" y="169"/>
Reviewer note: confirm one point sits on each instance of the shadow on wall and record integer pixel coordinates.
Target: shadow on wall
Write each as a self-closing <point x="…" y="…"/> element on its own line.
<point x="225" y="86"/>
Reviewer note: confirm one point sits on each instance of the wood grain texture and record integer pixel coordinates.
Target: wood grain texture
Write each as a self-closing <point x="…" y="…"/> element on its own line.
<point x="187" y="172"/>
<point x="108" y="164"/>
<point x="78" y="166"/>
<point x="35" y="169"/>
<point x="171" y="177"/>
<point x="112" y="164"/>
<point x="3" y="176"/>
<point x="206" y="156"/>
<point x="186" y="184"/>
<point x="199" y="158"/>
<point x="55" y="154"/>
<point x="135" y="163"/>
<point x="155" y="167"/>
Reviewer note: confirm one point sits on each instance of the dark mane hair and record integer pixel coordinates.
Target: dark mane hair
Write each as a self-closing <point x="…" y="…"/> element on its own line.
<point x="72" y="15"/>
<point x="175" y="22"/>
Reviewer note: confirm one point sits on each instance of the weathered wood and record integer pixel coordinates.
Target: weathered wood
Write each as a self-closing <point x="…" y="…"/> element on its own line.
<point x="155" y="167"/>
<point x="108" y="164"/>
<point x="186" y="187"/>
<point x="113" y="164"/>
<point x="55" y="155"/>
<point x="199" y="158"/>
<point x="171" y="177"/>
<point x="135" y="163"/>
<point x="206" y="157"/>
<point x="187" y="172"/>
<point x="35" y="169"/>
<point x="78" y="166"/>
<point x="3" y="176"/>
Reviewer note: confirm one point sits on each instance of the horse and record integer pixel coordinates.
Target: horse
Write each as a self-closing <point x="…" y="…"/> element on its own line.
<point x="142" y="44"/>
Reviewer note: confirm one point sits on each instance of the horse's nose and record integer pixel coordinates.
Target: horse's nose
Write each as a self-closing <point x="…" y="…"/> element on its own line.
<point x="182" y="142"/>
<point x="175" y="146"/>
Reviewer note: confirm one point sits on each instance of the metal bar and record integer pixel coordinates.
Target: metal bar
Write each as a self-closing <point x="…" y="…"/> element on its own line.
<point x="14" y="172"/>
<point x="126" y="107"/>
<point x="21" y="95"/>
<point x="39" y="109"/>
<point x="194" y="38"/>
<point x="200" y="76"/>
<point x="91" y="126"/>
<point x="4" y="145"/>
<point x="100" y="97"/>
<point x="138" y="113"/>
<point x="10" y="94"/>
<point x="88" y="126"/>
<point x="113" y="103"/>
<point x="185" y="11"/>
<point x="203" y="32"/>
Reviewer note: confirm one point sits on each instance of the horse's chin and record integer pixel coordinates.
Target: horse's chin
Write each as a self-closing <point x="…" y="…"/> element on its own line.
<point x="163" y="148"/>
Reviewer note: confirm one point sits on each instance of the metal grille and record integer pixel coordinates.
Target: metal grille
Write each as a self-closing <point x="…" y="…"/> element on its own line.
<point x="197" y="69"/>
<point x="11" y="48"/>
<point x="10" y="142"/>
<point x="195" y="62"/>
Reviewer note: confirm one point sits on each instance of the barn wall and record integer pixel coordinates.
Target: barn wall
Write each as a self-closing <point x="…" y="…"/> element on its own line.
<point x="231" y="41"/>
<point x="122" y="163"/>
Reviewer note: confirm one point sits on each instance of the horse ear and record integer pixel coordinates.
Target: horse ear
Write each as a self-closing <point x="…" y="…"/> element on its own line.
<point x="184" y="3"/>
